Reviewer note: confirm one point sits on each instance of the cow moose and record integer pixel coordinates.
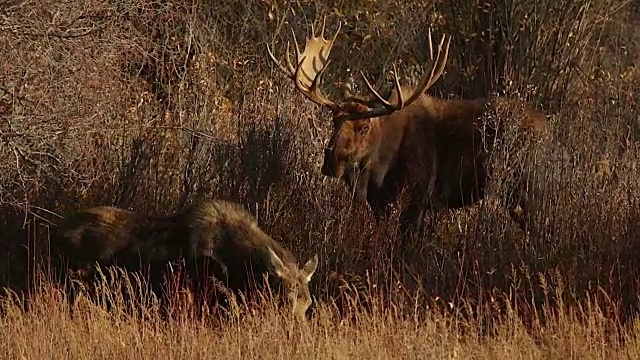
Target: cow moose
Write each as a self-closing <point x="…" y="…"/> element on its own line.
<point x="214" y="238"/>
<point x="228" y="236"/>
<point x="430" y="147"/>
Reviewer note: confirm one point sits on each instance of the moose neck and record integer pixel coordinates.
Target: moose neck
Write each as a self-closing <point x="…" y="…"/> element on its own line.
<point x="384" y="144"/>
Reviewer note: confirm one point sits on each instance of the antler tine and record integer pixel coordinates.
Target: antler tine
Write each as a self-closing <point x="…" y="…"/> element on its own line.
<point x="436" y="70"/>
<point x="310" y="64"/>
<point x="295" y="42"/>
<point x="384" y="102"/>
<point x="374" y="92"/>
<point x="286" y="71"/>
<point x="289" y="70"/>
<point x="441" y="64"/>
<point x="398" y="89"/>
<point x="430" y="45"/>
<point x="434" y="74"/>
<point x="335" y="36"/>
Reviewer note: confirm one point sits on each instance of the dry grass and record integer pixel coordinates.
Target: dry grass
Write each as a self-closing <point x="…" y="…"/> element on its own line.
<point x="49" y="329"/>
<point x="148" y="105"/>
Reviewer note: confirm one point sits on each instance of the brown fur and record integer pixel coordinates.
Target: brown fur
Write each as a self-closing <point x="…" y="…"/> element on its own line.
<point x="432" y="147"/>
<point x="92" y="235"/>
<point x="222" y="239"/>
<point x="213" y="236"/>
<point x="227" y="234"/>
<point x="105" y="236"/>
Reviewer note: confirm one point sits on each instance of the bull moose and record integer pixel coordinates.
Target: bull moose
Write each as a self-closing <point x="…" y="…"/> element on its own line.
<point x="431" y="147"/>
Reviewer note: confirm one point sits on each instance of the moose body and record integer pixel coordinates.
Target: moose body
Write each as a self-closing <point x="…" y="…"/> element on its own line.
<point x="88" y="238"/>
<point x="434" y="149"/>
<point x="221" y="239"/>
<point x="229" y="237"/>
<point x="91" y="236"/>
<point x="214" y="238"/>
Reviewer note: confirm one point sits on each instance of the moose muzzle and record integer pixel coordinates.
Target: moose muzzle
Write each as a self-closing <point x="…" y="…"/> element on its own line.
<point x="331" y="166"/>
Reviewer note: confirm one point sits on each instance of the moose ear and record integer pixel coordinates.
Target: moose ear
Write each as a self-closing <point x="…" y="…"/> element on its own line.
<point x="276" y="263"/>
<point x="310" y="268"/>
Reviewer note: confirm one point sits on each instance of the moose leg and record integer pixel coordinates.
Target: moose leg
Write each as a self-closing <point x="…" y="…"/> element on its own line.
<point x="411" y="223"/>
<point x="361" y="187"/>
<point x="521" y="212"/>
<point x="517" y="213"/>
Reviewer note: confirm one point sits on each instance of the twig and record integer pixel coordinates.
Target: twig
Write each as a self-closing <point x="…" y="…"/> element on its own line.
<point x="62" y="36"/>
<point x="194" y="132"/>
<point x="39" y="217"/>
<point x="46" y="210"/>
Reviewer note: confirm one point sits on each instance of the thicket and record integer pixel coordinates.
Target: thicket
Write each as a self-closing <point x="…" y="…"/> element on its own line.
<point x="148" y="105"/>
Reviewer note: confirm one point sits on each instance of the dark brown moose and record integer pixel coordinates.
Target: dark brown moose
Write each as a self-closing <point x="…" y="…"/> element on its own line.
<point x="430" y="147"/>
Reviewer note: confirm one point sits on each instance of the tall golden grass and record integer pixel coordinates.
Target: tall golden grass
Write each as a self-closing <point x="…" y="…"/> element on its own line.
<point x="50" y="327"/>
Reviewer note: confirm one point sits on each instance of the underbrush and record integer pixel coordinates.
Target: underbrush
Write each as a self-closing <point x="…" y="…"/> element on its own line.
<point x="148" y="105"/>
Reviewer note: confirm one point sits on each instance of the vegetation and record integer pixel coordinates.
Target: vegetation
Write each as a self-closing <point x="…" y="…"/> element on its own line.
<point x="148" y="105"/>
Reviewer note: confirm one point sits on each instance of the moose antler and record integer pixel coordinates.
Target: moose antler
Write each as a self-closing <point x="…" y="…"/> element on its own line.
<point x="310" y="65"/>
<point x="437" y="68"/>
<point x="313" y="61"/>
